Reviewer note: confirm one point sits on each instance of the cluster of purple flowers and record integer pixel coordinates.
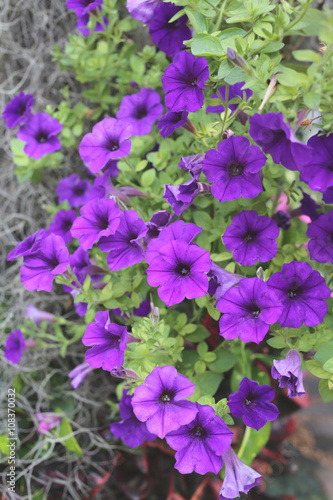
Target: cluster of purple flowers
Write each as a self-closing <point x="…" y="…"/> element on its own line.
<point x="83" y="9"/>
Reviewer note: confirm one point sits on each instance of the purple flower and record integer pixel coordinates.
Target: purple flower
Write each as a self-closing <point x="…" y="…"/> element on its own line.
<point x="288" y="372"/>
<point x="183" y="82"/>
<point x="317" y="169"/>
<point x="15" y="345"/>
<point x="75" y="190"/>
<point x="130" y="430"/>
<point x="18" y="110"/>
<point x="82" y="7"/>
<point x="320" y="233"/>
<point x="157" y="222"/>
<point x="109" y="140"/>
<point x="160" y="401"/>
<point x="26" y="246"/>
<point x="47" y="259"/>
<point x="168" y="36"/>
<point x="140" y="110"/>
<point x="276" y="138"/>
<point x="251" y="237"/>
<point x="309" y="207"/>
<point x="99" y="217"/>
<point x="81" y="308"/>
<point x="181" y="271"/>
<point x="233" y="168"/>
<point x="193" y="164"/>
<point x="176" y="231"/>
<point x="142" y="10"/>
<point x="171" y="121"/>
<point x="80" y="264"/>
<point x="47" y="421"/>
<point x="234" y="91"/>
<point x="248" y="310"/>
<point x="39" y="134"/>
<point x="37" y="316"/>
<point x="79" y="373"/>
<point x="221" y="280"/>
<point x="182" y="196"/>
<point x="124" y="245"/>
<point x="109" y="341"/>
<point x="200" y="443"/>
<point x="328" y="196"/>
<point x="252" y="403"/>
<point x="302" y="292"/>
<point x="62" y="224"/>
<point x="83" y="21"/>
<point x="282" y="219"/>
<point x="239" y="478"/>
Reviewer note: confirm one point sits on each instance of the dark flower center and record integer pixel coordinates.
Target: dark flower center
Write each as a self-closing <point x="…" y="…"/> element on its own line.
<point x="248" y="237"/>
<point x="67" y="224"/>
<point x="112" y="144"/>
<point x="22" y="109"/>
<point x="198" y="431"/>
<point x="78" y="191"/>
<point x="102" y="222"/>
<point x="235" y="168"/>
<point x="248" y="402"/>
<point x="291" y="294"/>
<point x="165" y="397"/>
<point x="192" y="80"/>
<point x="87" y="2"/>
<point x="255" y="310"/>
<point x="41" y="137"/>
<point x="183" y="270"/>
<point x="140" y="112"/>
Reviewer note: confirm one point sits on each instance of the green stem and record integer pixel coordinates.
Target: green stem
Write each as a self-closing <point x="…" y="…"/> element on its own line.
<point x="299" y="18"/>
<point x="246" y="438"/>
<point x="219" y="19"/>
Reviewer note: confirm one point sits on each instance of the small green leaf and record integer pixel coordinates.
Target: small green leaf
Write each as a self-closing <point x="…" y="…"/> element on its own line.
<point x="306" y="56"/>
<point x="256" y="441"/>
<point x="200" y="367"/>
<point x="277" y="342"/>
<point x="70" y="443"/>
<point x="325" y="392"/>
<point x="208" y="383"/>
<point x="206" y="45"/>
<point x="328" y="365"/>
<point x="325" y="352"/>
<point x="224" y="362"/>
<point x="148" y="177"/>
<point x="312" y="99"/>
<point x="316" y="368"/>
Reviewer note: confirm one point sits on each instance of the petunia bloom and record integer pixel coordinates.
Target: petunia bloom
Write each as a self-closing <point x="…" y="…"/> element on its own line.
<point x="233" y="168"/>
<point x="142" y="10"/>
<point x="27" y="245"/>
<point x="302" y="292"/>
<point x="82" y="25"/>
<point x="248" y="310"/>
<point x="317" y="167"/>
<point x="79" y="373"/>
<point x="99" y="217"/>
<point x="277" y="138"/>
<point x="140" y="110"/>
<point x="181" y="271"/>
<point x="320" y="233"/>
<point x="82" y="7"/>
<point x="62" y="224"/>
<point x="289" y="374"/>
<point x="160" y="401"/>
<point x="130" y="430"/>
<point x="193" y="164"/>
<point x="200" y="443"/>
<point x="47" y="421"/>
<point x="15" y="345"/>
<point x="171" y="121"/>
<point x="221" y="280"/>
<point x="182" y="196"/>
<point x="183" y="82"/>
<point x="73" y="189"/>
<point x="109" y="140"/>
<point x="239" y="478"/>
<point x="124" y="245"/>
<point x="251" y="237"/>
<point x="109" y="342"/>
<point x="252" y="402"/>
<point x="18" y="110"/>
<point x="39" y="134"/>
<point x="168" y="36"/>
<point x="37" y="316"/>
<point x="47" y="259"/>
<point x="233" y="91"/>
<point x="157" y="222"/>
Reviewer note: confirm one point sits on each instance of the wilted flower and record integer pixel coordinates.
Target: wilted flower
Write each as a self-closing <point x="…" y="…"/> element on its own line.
<point x="79" y="373"/>
<point x="289" y="374"/>
<point x="239" y="478"/>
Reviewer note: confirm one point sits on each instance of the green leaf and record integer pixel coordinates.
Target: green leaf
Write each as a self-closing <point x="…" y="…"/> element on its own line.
<point x="199" y="335"/>
<point x="291" y="78"/>
<point x="206" y="45"/>
<point x="3" y="444"/>
<point x="225" y="69"/>
<point x="306" y="55"/>
<point x="141" y="165"/>
<point x="325" y="352"/>
<point x="255" y="442"/>
<point x="328" y="365"/>
<point x="202" y="349"/>
<point x="277" y="342"/>
<point x="70" y="443"/>
<point x="312" y="99"/>
<point x="197" y="20"/>
<point x="224" y="362"/>
<point x="200" y="367"/>
<point x="325" y="392"/>
<point x="209" y="357"/>
<point x="148" y="177"/>
<point x="208" y="383"/>
<point x="316" y="368"/>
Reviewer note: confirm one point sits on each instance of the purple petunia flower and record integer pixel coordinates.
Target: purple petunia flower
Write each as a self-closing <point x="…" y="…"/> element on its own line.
<point x="181" y="271"/>
<point x="79" y="373"/>
<point x="142" y="10"/>
<point x="317" y="167"/>
<point x="309" y="207"/>
<point x="171" y="121"/>
<point x="233" y="168"/>
<point x="39" y="134"/>
<point x="62" y="224"/>
<point x="193" y="164"/>
<point x="320" y="233"/>
<point x="234" y="91"/>
<point x="157" y="222"/>
<point x="183" y="82"/>
<point x="15" y="345"/>
<point x="328" y="196"/>
<point x="109" y="341"/>
<point x="221" y="280"/>
<point x="251" y="237"/>
<point x="160" y="401"/>
<point x="80" y="264"/>
<point x="248" y="310"/>
<point x="26" y="246"/>
<point x="288" y="372"/>
<point x="47" y="421"/>
<point x="81" y="308"/>
<point x="176" y="231"/>
<point x="168" y="36"/>
<point x="130" y="430"/>
<point x="37" y="316"/>
<point x="282" y="219"/>
<point x="82" y="25"/>
<point x="239" y="478"/>
<point x="200" y="443"/>
<point x="46" y="260"/>
<point x="140" y="110"/>
<point x="99" y="217"/>
<point x="82" y="7"/>
<point x="75" y="190"/>
<point x="109" y="140"/>
<point x="252" y="402"/>
<point x="18" y="110"/>
<point x="124" y="245"/>
<point x="276" y="138"/>
<point x="182" y="196"/>
<point x="302" y="292"/>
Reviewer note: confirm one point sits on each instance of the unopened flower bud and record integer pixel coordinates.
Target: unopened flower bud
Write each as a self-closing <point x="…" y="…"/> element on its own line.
<point x="236" y="58"/>
<point x="269" y="92"/>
